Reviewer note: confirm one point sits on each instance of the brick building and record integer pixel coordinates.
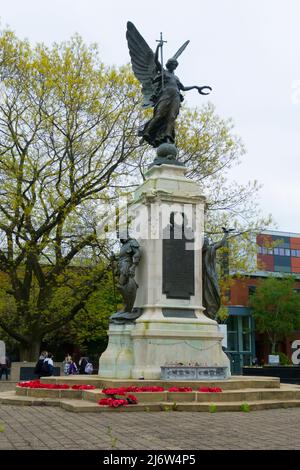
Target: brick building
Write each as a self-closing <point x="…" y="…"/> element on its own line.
<point x="278" y="253"/>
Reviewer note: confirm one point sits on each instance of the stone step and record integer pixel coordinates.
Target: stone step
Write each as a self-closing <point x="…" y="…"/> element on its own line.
<point x="247" y="395"/>
<point x="85" y="406"/>
<point x="10" y="398"/>
<point x="148" y="397"/>
<point x="232" y="406"/>
<point x="48" y="393"/>
<point x="77" y="405"/>
<point x="284" y="393"/>
<point x="233" y="383"/>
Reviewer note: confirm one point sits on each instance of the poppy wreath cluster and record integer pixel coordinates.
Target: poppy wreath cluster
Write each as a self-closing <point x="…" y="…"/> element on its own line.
<point x="149" y="388"/>
<point x="83" y="387"/>
<point x="38" y="384"/>
<point x="210" y="389"/>
<point x="132" y="388"/>
<point x="117" y="397"/>
<point x="115" y="401"/>
<point x="180" y="389"/>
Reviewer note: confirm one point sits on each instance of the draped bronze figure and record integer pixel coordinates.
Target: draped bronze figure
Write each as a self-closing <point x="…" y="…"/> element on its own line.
<point x="211" y="291"/>
<point x="127" y="261"/>
<point x="161" y="89"/>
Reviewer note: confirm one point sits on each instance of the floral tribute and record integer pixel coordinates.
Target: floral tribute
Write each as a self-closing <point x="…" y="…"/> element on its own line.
<point x="83" y="387"/>
<point x="152" y="388"/>
<point x="117" y="397"/>
<point x="180" y="389"/>
<point x="210" y="389"/>
<point x="38" y="384"/>
<point x="115" y="401"/>
<point x="132" y="388"/>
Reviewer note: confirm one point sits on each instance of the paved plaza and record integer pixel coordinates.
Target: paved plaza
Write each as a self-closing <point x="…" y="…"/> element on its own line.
<point x="32" y="427"/>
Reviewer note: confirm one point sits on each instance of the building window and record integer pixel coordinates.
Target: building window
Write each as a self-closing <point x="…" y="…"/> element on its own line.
<point x="251" y="290"/>
<point x="246" y="334"/>
<point x="287" y="252"/>
<point x="239" y="333"/>
<point x="232" y="333"/>
<point x="276" y="251"/>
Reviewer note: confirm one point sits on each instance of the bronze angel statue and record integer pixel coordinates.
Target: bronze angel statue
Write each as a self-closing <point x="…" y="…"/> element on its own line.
<point x="160" y="87"/>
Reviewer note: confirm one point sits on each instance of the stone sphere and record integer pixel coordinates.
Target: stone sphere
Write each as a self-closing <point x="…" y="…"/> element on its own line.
<point x="167" y="151"/>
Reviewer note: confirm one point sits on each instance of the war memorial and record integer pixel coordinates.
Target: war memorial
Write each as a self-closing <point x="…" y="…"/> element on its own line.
<point x="165" y="339"/>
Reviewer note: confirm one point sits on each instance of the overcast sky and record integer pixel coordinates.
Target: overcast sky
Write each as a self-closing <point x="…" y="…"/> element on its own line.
<point x="248" y="51"/>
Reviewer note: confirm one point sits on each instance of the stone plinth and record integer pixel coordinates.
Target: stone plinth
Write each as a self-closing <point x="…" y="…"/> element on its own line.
<point x="17" y="367"/>
<point x="168" y="214"/>
<point x="117" y="360"/>
<point x="140" y="350"/>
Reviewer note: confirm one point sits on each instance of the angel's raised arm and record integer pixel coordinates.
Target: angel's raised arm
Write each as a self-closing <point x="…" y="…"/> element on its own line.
<point x="157" y="63"/>
<point x="195" y="87"/>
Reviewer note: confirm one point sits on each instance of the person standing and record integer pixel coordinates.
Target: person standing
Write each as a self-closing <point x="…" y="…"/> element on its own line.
<point x="39" y="365"/>
<point x="66" y="364"/>
<point x="4" y="368"/>
<point x="73" y="369"/>
<point x="48" y="365"/>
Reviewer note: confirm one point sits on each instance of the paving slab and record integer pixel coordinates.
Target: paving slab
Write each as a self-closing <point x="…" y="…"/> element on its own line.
<point x="56" y="429"/>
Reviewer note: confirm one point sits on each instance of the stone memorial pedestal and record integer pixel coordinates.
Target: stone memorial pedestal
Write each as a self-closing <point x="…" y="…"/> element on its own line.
<point x="2" y="352"/>
<point x="168" y="209"/>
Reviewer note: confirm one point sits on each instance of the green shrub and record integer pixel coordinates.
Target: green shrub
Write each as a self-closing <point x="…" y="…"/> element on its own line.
<point x="245" y="407"/>
<point x="212" y="408"/>
<point x="174" y="406"/>
<point x="283" y="359"/>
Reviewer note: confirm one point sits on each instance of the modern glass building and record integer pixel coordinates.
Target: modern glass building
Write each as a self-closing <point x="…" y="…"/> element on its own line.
<point x="278" y="253"/>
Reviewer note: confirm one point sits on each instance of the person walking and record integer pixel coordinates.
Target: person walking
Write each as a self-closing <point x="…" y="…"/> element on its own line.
<point x="85" y="366"/>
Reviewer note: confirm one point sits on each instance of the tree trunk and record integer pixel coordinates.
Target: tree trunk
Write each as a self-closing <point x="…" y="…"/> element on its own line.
<point x="30" y="352"/>
<point x="273" y="347"/>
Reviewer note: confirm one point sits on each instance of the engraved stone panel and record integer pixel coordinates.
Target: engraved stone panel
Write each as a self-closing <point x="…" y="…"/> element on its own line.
<point x="193" y="373"/>
<point x="178" y="261"/>
<point x="178" y="313"/>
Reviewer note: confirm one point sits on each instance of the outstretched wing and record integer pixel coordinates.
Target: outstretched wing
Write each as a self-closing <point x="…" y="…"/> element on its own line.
<point x="143" y="62"/>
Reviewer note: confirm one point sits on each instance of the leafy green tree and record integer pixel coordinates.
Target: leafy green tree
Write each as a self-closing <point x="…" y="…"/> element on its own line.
<point x="88" y="330"/>
<point x="276" y="308"/>
<point x="66" y="125"/>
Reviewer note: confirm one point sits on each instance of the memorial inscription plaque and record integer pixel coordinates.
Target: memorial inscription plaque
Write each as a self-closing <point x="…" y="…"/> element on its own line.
<point x="178" y="261"/>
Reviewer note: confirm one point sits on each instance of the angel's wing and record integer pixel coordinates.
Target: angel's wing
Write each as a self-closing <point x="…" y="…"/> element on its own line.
<point x="143" y="62"/>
